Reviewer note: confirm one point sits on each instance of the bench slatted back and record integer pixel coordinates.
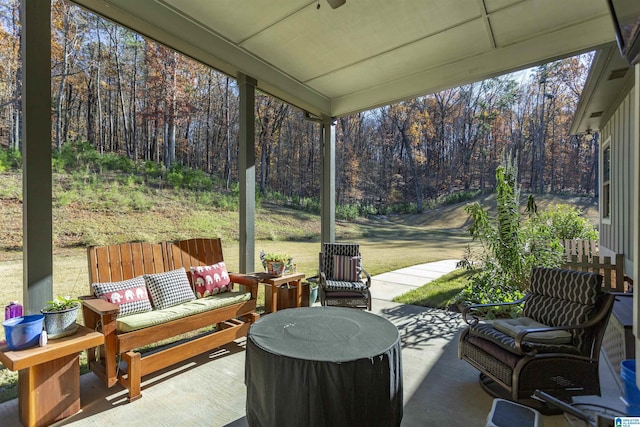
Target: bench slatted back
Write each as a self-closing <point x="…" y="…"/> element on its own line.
<point x="193" y="253"/>
<point x="124" y="261"/>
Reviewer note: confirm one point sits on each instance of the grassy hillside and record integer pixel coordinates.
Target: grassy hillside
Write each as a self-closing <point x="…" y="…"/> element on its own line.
<point x="88" y="211"/>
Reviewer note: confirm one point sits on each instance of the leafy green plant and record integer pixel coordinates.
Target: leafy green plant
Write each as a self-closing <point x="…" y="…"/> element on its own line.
<point x="60" y="304"/>
<point x="568" y="222"/>
<point x="510" y="246"/>
<point x="10" y="159"/>
<point x="277" y="257"/>
<point x="501" y="237"/>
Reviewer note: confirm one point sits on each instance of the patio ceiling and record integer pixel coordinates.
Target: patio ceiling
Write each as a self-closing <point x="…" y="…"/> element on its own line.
<point x="366" y="53"/>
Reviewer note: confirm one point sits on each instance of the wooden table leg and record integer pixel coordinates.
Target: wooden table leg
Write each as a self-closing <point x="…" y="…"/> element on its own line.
<point x="298" y="293"/>
<point x="49" y="391"/>
<point x="274" y="299"/>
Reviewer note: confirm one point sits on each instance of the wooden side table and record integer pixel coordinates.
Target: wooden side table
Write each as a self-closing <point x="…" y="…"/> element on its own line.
<point x="49" y="377"/>
<point x="294" y="279"/>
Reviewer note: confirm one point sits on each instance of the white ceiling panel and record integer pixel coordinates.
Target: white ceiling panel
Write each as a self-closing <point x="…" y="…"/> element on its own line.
<point x="509" y="27"/>
<point x="469" y="40"/>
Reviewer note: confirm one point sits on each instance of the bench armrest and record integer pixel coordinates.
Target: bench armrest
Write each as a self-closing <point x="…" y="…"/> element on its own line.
<point x="250" y="281"/>
<point x="99" y="306"/>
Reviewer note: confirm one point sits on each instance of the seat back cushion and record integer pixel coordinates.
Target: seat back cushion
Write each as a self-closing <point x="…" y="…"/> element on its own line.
<point x="329" y="250"/>
<point x="563" y="297"/>
<point x="345" y="268"/>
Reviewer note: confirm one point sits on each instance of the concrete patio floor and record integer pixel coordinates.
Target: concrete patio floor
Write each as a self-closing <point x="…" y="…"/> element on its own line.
<point x="209" y="390"/>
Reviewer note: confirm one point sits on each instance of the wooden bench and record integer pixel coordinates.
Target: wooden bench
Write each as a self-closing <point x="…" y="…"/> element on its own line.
<point x="119" y="262"/>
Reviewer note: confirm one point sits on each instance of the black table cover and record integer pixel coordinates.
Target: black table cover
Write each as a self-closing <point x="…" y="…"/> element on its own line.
<point x="323" y="366"/>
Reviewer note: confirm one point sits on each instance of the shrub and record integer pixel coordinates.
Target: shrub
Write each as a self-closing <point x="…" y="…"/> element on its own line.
<point x="10" y="159"/>
<point x="175" y="179"/>
<point x="153" y="169"/>
<point x="567" y="222"/>
<point x="115" y="162"/>
<point x="347" y="212"/>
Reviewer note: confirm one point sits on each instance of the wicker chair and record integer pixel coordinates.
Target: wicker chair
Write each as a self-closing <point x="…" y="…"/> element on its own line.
<point x="343" y="281"/>
<point x="554" y="347"/>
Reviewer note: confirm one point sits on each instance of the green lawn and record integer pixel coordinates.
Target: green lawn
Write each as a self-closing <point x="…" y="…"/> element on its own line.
<point x="437" y="293"/>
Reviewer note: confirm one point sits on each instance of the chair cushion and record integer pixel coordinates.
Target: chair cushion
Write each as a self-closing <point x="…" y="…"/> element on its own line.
<point x="130" y="295"/>
<point x="345" y="268"/>
<point x="210" y="279"/>
<point x="486" y="330"/>
<point x="169" y="288"/>
<point x="513" y="327"/>
<point x="340" y="285"/>
<point x="504" y="356"/>
<point x="157" y="317"/>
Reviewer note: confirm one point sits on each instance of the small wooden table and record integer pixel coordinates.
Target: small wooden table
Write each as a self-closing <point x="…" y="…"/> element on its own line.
<point x="49" y="377"/>
<point x="294" y="279"/>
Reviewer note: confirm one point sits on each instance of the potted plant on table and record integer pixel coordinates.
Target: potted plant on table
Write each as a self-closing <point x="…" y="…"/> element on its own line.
<point x="276" y="263"/>
<point x="60" y="317"/>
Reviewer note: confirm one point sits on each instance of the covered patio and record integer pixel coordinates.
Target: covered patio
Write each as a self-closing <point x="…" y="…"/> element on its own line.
<point x="209" y="390"/>
<point x="328" y="62"/>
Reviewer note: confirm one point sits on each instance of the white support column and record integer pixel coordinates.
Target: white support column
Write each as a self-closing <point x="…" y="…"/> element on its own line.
<point x="328" y="181"/>
<point x="36" y="154"/>
<point x="247" y="173"/>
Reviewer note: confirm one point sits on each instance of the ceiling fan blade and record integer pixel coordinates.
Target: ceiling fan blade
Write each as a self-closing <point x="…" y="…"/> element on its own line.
<point x="336" y="3"/>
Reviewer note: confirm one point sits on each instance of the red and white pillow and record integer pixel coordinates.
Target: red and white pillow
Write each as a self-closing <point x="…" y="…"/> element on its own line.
<point x="211" y="279"/>
<point x="131" y="295"/>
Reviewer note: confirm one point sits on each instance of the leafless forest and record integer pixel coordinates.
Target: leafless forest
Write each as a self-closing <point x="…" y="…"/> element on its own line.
<point x="129" y="95"/>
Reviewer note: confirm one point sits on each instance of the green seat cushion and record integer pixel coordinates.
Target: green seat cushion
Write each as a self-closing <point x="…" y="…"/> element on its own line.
<point x="157" y="317"/>
<point x="513" y="327"/>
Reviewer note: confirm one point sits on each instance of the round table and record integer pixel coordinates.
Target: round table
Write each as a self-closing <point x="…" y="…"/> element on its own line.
<point x="323" y="366"/>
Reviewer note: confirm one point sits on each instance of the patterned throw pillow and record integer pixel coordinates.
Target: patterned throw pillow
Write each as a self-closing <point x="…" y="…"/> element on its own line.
<point x="131" y="295"/>
<point x="169" y="289"/>
<point x="210" y="279"/>
<point x="345" y="268"/>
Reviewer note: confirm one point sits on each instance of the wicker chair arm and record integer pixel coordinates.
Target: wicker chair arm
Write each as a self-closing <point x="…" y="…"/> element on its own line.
<point x="367" y="276"/>
<point x="323" y="280"/>
<point x="466" y="311"/>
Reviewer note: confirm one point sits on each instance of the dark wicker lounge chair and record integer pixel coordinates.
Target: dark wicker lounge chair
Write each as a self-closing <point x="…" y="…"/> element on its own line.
<point x="554" y="347"/>
<point x="343" y="281"/>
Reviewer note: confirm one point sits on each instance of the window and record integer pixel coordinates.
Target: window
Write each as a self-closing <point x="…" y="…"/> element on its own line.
<point x="605" y="195"/>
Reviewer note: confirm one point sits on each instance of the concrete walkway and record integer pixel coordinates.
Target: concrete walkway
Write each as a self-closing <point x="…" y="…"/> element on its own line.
<point x="387" y="286"/>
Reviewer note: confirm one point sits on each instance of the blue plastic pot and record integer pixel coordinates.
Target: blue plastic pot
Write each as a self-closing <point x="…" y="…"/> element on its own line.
<point x="23" y="332"/>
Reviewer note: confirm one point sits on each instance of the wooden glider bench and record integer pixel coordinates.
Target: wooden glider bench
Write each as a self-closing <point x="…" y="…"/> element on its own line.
<point x="115" y="263"/>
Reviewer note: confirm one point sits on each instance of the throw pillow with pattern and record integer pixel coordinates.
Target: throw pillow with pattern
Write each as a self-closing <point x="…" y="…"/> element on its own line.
<point x="130" y="295"/>
<point x="169" y="288"/>
<point x="210" y="279"/>
<point x="345" y="268"/>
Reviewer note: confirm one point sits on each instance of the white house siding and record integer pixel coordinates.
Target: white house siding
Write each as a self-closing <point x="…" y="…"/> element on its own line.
<point x="616" y="235"/>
